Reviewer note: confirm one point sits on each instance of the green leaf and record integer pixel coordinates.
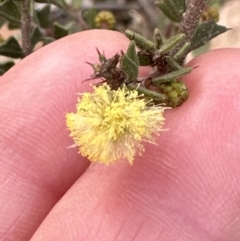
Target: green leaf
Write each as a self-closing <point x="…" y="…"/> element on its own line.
<point x="4" y="67"/>
<point x="43" y="16"/>
<point x="168" y="12"/>
<point x="158" y="38"/>
<point x="171" y="76"/>
<point x="140" y="41"/>
<point x="102" y="58"/>
<point x="58" y="3"/>
<point x="201" y="50"/>
<point x="145" y="58"/>
<point x="9" y="9"/>
<point x="89" y="17"/>
<point x="2" y="21"/>
<point x="59" y="31"/>
<point x="36" y="36"/>
<point x="205" y="32"/>
<point x="175" y="7"/>
<point x="180" y="5"/>
<point x="14" y="25"/>
<point x="183" y="51"/>
<point x="172" y="42"/>
<point x="129" y="63"/>
<point x="148" y="94"/>
<point x="48" y="40"/>
<point x="131" y="52"/>
<point x="11" y="48"/>
<point x="173" y="64"/>
<point x="72" y="27"/>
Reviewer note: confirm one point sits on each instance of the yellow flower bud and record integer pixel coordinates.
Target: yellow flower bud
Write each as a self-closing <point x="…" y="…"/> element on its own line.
<point x="210" y="13"/>
<point x="105" y="20"/>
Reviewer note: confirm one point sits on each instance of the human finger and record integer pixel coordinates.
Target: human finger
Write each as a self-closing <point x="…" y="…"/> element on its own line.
<point x="36" y="166"/>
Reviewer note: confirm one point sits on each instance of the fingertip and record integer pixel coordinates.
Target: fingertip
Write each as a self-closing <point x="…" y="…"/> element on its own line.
<point x="35" y="95"/>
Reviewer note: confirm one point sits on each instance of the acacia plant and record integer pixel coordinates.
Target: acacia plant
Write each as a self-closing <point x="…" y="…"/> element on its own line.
<point x="124" y="110"/>
<point x="57" y="18"/>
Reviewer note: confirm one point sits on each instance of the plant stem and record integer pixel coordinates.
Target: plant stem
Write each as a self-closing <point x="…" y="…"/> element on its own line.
<point x="26" y="20"/>
<point x="191" y="17"/>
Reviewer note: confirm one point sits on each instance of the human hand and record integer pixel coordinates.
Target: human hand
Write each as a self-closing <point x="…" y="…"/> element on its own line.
<point x="185" y="188"/>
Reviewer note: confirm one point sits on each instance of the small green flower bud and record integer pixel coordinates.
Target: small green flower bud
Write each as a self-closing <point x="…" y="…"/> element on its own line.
<point x="176" y="92"/>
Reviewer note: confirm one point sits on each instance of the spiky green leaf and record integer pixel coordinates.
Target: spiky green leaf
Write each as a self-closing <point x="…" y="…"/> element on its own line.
<point x="180" y="6"/>
<point x="4" y="67"/>
<point x="36" y="36"/>
<point x="175" y="7"/>
<point x="2" y="22"/>
<point x="205" y="32"/>
<point x="167" y="11"/>
<point x="145" y="58"/>
<point x="132" y="53"/>
<point x="60" y="31"/>
<point x="174" y="65"/>
<point x="140" y="41"/>
<point x="171" y="76"/>
<point x="11" y="48"/>
<point x="89" y="17"/>
<point x="10" y="10"/>
<point x="129" y="63"/>
<point x="149" y="94"/>
<point x="48" y="40"/>
<point x="43" y="16"/>
<point x="172" y="42"/>
<point x="101" y="56"/>
<point x="14" y="25"/>
<point x="158" y="38"/>
<point x="183" y="51"/>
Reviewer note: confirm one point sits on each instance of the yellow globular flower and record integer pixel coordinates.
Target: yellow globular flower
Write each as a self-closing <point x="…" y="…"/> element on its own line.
<point x="210" y="13"/>
<point x="111" y="124"/>
<point x="105" y="20"/>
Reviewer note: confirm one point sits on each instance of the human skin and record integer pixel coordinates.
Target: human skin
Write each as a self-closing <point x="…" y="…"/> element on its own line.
<point x="185" y="188"/>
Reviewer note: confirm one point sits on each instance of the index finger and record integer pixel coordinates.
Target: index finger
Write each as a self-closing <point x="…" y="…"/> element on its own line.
<point x="36" y="167"/>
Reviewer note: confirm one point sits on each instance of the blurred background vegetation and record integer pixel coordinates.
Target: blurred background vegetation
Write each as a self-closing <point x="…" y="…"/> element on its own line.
<point x="25" y="28"/>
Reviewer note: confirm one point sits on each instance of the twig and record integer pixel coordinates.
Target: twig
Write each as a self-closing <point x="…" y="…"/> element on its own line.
<point x="26" y="27"/>
<point x="191" y="17"/>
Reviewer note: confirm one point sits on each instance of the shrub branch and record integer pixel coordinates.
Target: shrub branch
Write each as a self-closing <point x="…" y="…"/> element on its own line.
<point x="191" y="17"/>
<point x="26" y="20"/>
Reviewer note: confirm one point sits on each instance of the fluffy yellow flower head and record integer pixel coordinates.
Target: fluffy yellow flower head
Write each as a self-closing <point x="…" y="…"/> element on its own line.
<point x="111" y="124"/>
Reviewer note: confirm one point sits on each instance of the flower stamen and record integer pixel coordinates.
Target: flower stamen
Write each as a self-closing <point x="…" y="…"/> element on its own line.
<point x="112" y="124"/>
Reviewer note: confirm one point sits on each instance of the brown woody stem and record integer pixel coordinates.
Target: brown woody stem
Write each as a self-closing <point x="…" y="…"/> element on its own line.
<point x="26" y="20"/>
<point x="191" y="17"/>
